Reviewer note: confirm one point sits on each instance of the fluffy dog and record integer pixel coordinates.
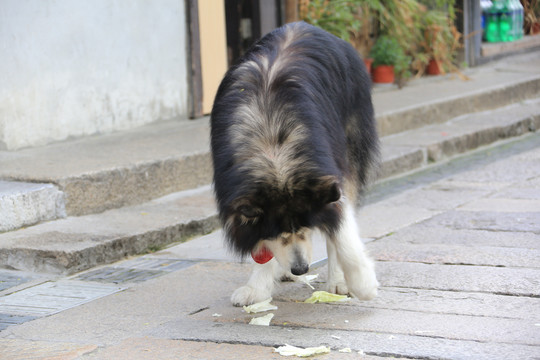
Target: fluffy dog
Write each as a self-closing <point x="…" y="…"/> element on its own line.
<point x="293" y="139"/>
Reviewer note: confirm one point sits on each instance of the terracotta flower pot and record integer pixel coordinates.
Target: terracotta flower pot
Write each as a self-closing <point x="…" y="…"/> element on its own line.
<point x="368" y="63"/>
<point x="433" y="67"/>
<point x="383" y="74"/>
<point x="535" y="28"/>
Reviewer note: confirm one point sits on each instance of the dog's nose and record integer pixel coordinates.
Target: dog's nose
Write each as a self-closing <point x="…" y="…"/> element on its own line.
<point x="299" y="269"/>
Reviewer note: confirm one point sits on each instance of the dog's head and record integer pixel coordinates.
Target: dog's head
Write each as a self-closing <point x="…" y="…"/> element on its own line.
<point x="282" y="218"/>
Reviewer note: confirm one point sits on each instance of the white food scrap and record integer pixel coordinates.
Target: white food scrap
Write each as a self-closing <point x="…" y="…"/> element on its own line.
<point x="260" y="307"/>
<point x="307" y="279"/>
<point x="263" y="320"/>
<point x="345" y="350"/>
<point x="289" y="350"/>
<point x="325" y="297"/>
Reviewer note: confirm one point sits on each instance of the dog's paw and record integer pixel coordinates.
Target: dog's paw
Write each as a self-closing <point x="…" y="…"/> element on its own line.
<point x="364" y="286"/>
<point x="337" y="288"/>
<point x="247" y="295"/>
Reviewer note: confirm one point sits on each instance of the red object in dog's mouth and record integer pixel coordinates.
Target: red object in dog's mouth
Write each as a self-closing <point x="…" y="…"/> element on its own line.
<point x="262" y="256"/>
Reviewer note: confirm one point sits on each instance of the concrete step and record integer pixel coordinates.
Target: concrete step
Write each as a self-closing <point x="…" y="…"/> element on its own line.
<point x="76" y="243"/>
<point x="24" y="204"/>
<point x="80" y="242"/>
<point x="111" y="171"/>
<point x="122" y="169"/>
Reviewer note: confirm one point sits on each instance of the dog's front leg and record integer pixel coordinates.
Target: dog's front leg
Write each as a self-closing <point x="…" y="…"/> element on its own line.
<point x="358" y="268"/>
<point x="335" y="282"/>
<point x="259" y="286"/>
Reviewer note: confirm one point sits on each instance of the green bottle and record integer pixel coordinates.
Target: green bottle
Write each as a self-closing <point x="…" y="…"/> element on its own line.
<point x="506" y="23"/>
<point x="492" y="22"/>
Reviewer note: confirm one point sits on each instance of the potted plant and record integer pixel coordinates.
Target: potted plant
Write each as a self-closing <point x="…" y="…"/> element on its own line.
<point x="386" y="54"/>
<point x="441" y="40"/>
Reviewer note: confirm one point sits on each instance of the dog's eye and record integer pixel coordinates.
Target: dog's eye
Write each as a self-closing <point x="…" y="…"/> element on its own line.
<point x="249" y="211"/>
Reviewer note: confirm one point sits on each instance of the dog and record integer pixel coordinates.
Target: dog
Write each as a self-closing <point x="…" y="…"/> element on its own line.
<point x="294" y="141"/>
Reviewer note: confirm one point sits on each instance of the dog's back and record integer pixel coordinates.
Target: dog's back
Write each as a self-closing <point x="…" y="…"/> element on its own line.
<point x="291" y="120"/>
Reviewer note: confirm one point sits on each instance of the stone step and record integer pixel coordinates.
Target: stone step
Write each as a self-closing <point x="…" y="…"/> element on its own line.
<point x="76" y="243"/>
<point x="111" y="171"/>
<point x="122" y="169"/>
<point x="25" y="204"/>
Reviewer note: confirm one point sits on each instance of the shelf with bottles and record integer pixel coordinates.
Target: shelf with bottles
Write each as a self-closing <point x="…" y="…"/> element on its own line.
<point x="502" y="20"/>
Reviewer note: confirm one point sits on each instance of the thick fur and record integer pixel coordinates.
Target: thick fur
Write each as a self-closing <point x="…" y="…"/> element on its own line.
<point x="293" y="140"/>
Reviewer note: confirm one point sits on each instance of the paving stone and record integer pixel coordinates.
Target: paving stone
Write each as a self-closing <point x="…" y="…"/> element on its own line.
<point x="504" y="205"/>
<point x="490" y="221"/>
<point x="436" y="198"/>
<point x="387" y="250"/>
<point x="20" y="349"/>
<point x="427" y="233"/>
<point x="143" y="348"/>
<point x="382" y="344"/>
<point x="377" y="220"/>
<point x="496" y="280"/>
<point x="355" y="316"/>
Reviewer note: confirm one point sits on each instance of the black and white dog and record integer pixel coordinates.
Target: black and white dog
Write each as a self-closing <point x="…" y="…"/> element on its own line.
<point x="293" y="139"/>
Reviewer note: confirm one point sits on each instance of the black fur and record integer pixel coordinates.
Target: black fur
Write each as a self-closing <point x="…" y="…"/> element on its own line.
<point x="298" y="79"/>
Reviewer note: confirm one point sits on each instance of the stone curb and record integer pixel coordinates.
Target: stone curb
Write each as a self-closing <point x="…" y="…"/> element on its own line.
<point x="24" y="204"/>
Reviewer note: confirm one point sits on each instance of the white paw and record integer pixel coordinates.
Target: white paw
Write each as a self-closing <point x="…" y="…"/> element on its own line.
<point x="364" y="284"/>
<point x="247" y="295"/>
<point x="337" y="288"/>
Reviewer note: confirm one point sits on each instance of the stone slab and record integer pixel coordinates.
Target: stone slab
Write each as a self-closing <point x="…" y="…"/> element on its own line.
<point x="426" y="234"/>
<point x="18" y="349"/>
<point x="496" y="280"/>
<point x="179" y="306"/>
<point x="78" y="243"/>
<point x="471" y="131"/>
<point x="486" y="90"/>
<point x="156" y="348"/>
<point x="24" y="204"/>
<point x="387" y="250"/>
<point x="400" y="159"/>
<point x="102" y="172"/>
<point x="357" y="317"/>
<point x="489" y="221"/>
<point x="381" y="344"/>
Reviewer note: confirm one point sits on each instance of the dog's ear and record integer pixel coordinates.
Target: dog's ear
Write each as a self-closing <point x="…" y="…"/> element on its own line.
<point x="246" y="209"/>
<point x="327" y="189"/>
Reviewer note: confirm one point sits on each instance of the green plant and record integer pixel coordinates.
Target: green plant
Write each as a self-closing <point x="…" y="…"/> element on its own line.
<point x="424" y="29"/>
<point x="336" y="16"/>
<point x="441" y="39"/>
<point x="386" y="51"/>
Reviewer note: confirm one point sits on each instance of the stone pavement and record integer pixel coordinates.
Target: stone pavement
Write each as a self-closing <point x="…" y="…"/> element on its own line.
<point x="458" y="257"/>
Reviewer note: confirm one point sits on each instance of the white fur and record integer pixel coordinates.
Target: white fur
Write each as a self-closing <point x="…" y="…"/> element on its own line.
<point x="350" y="270"/>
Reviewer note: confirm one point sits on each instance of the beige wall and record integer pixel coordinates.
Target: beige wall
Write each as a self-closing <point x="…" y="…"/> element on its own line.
<point x="75" y="68"/>
<point x="213" y="38"/>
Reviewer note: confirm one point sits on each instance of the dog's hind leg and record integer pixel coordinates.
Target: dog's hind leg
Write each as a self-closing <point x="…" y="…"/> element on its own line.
<point x="357" y="267"/>
<point x="259" y="286"/>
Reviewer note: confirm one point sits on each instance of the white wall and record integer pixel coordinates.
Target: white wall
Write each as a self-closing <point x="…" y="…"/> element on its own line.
<point x="80" y="67"/>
